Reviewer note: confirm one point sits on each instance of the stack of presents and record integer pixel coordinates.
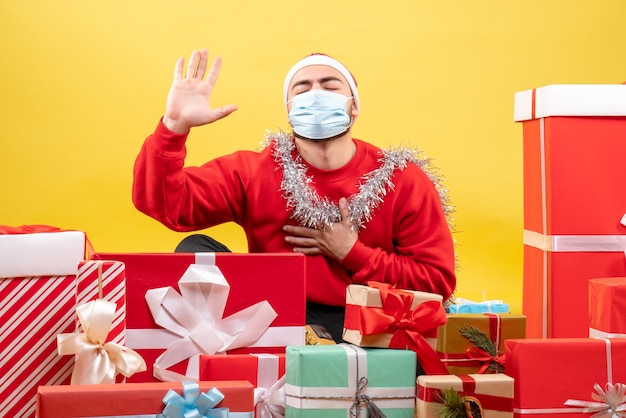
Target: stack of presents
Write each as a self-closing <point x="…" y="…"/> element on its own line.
<point x="89" y="334"/>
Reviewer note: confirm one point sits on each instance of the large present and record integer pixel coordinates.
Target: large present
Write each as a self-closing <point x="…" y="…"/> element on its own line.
<point x="607" y="305"/>
<point x="183" y="305"/>
<point x="265" y="371"/>
<point x="484" y="395"/>
<point x="38" y="294"/>
<point x="378" y="315"/>
<point x="573" y="200"/>
<point x="335" y="381"/>
<point x="474" y="343"/>
<point x="226" y="399"/>
<point x="550" y="372"/>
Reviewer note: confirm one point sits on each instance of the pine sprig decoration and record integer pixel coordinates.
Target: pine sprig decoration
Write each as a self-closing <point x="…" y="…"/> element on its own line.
<point x="453" y="404"/>
<point x="483" y="342"/>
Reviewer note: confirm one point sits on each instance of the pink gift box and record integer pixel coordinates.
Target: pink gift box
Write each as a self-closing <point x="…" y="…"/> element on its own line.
<point x="573" y="145"/>
<point x="276" y="278"/>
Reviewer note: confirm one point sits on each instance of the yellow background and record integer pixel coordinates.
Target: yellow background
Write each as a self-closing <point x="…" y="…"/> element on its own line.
<point x="83" y="83"/>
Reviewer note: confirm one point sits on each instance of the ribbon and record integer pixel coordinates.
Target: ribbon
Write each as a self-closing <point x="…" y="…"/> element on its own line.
<point x="96" y="360"/>
<point x="195" y="317"/>
<point x="270" y="402"/>
<point x="407" y="325"/>
<point x="609" y="402"/>
<point x="193" y="403"/>
<point x="27" y="229"/>
<point x="483" y="357"/>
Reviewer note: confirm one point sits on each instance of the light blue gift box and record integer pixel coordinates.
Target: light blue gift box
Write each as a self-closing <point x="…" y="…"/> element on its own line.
<point x="338" y="381"/>
<point x="464" y="306"/>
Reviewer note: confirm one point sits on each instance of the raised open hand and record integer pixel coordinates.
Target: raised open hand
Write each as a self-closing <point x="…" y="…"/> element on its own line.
<point x="188" y="102"/>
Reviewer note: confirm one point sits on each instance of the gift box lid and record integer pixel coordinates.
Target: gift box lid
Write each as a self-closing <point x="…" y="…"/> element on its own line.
<point x="570" y="100"/>
<point x="41" y="253"/>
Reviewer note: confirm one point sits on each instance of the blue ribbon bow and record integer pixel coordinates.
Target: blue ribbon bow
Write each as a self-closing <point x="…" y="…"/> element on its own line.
<point x="193" y="403"/>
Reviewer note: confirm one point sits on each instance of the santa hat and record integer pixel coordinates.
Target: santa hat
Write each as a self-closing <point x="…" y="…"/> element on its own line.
<point x="322" y="59"/>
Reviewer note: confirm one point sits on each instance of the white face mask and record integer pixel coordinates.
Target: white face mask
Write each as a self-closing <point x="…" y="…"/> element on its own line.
<point x="319" y="114"/>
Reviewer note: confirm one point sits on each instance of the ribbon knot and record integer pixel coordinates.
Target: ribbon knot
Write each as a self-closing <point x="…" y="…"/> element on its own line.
<point x="195" y="316"/>
<point x="193" y="403"/>
<point x="361" y="398"/>
<point x="485" y="358"/>
<point x="96" y="360"/>
<point x="271" y="401"/>
<point x="609" y="402"/>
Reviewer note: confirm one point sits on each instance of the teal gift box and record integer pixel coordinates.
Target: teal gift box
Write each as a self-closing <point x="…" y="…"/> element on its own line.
<point x="343" y="380"/>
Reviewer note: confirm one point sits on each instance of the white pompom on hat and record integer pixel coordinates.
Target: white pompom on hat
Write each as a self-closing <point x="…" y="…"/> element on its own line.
<point x="322" y="59"/>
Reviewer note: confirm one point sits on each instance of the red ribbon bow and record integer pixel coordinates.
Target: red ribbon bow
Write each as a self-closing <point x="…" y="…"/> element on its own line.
<point x="480" y="355"/>
<point x="407" y="325"/>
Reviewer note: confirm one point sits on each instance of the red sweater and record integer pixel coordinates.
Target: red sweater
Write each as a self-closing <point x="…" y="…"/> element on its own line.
<point x="407" y="243"/>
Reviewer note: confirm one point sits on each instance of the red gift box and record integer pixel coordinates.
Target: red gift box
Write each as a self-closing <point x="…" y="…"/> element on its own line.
<point x="276" y="278"/>
<point x="573" y="202"/>
<point x="131" y="399"/>
<point x="549" y="372"/>
<point x="35" y="308"/>
<point x="262" y="370"/>
<point x="607" y="305"/>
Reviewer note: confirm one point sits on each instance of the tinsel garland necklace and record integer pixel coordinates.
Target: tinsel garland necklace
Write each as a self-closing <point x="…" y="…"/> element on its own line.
<point x="313" y="211"/>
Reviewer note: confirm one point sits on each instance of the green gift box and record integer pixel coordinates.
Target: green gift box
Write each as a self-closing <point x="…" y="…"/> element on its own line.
<point x="345" y="380"/>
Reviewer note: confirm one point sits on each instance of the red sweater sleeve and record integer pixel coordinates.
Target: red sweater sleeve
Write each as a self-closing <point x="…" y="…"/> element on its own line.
<point x="184" y="198"/>
<point x="423" y="255"/>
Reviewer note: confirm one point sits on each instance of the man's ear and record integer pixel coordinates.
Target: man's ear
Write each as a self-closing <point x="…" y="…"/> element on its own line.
<point x="355" y="111"/>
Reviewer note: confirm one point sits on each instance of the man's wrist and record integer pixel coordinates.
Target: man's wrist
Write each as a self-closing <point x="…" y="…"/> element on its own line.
<point x="174" y="126"/>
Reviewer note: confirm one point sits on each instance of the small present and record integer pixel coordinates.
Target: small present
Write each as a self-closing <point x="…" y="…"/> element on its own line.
<point x="243" y="281"/>
<point x="38" y="293"/>
<point x="484" y="395"/>
<point x="265" y="371"/>
<point x="98" y="361"/>
<point x="152" y="399"/>
<point x="466" y="306"/>
<point x="474" y="343"/>
<point x="378" y="315"/>
<point x="550" y="371"/>
<point x="346" y="380"/>
<point x="607" y="304"/>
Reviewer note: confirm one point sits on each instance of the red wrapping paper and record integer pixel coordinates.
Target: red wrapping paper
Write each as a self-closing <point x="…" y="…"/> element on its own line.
<point x="607" y="305"/>
<point x="262" y="370"/>
<point x="130" y="398"/>
<point x="548" y="372"/>
<point x="277" y="278"/>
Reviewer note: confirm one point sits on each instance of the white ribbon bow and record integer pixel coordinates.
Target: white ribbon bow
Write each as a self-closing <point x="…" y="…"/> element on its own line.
<point x="98" y="361"/>
<point x="195" y="315"/>
<point x="271" y="401"/>
<point x="610" y="402"/>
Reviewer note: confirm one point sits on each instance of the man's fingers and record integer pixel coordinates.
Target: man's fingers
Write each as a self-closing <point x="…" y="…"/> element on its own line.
<point x="192" y="66"/>
<point x="178" y="69"/>
<point x="344" y="210"/>
<point x="214" y="71"/>
<point x="202" y="64"/>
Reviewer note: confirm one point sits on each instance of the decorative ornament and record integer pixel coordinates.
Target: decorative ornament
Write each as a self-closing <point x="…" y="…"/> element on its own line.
<point x="485" y="345"/>
<point x="457" y="406"/>
<point x="314" y="211"/>
<point x="193" y="403"/>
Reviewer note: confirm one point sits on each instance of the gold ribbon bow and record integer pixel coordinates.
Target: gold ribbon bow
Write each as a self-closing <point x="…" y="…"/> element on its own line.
<point x="96" y="360"/>
<point x="609" y="402"/>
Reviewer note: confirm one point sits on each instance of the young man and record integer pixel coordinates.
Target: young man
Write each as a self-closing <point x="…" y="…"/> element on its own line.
<point x="359" y="213"/>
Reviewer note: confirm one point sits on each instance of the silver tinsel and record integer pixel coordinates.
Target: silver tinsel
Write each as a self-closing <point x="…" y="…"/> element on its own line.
<point x="313" y="211"/>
